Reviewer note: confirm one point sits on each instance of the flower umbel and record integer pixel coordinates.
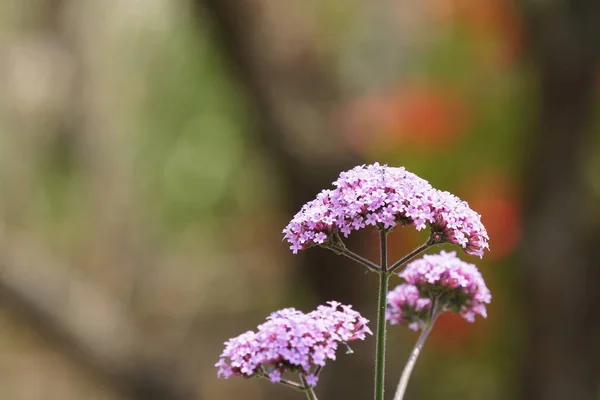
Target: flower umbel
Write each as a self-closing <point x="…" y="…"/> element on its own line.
<point x="435" y="284"/>
<point x="455" y="285"/>
<point x="384" y="196"/>
<point x="291" y="341"/>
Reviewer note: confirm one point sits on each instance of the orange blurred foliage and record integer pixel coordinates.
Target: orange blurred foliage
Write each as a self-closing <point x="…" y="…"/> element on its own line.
<point x="451" y="333"/>
<point x="492" y="194"/>
<point x="422" y="117"/>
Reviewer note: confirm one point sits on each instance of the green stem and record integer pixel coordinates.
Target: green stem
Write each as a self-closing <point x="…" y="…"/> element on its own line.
<point x="371" y="266"/>
<point x="284" y="382"/>
<point x="410" y="256"/>
<point x="411" y="362"/>
<point x="337" y="245"/>
<point x="310" y="392"/>
<point x="384" y="277"/>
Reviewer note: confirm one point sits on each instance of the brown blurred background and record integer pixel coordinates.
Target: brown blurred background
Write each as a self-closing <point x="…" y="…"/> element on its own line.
<point x="151" y="152"/>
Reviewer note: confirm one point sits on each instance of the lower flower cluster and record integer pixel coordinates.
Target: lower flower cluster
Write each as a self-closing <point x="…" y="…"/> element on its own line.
<point x="291" y="341"/>
<point x="441" y="279"/>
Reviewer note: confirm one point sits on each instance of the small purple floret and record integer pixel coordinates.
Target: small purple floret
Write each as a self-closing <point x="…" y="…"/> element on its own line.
<point x="312" y="380"/>
<point x="405" y="306"/>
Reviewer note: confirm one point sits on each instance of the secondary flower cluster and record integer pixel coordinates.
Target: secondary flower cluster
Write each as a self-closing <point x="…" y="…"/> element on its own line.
<point x="456" y="285"/>
<point x="406" y="306"/>
<point x="292" y="341"/>
<point x="386" y="197"/>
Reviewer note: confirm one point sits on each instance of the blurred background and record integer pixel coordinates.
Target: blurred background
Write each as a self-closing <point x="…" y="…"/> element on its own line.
<point x="151" y="152"/>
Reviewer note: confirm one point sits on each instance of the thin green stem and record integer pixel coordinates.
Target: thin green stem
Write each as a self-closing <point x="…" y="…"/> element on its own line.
<point x="412" y="360"/>
<point x="410" y="256"/>
<point x="337" y="245"/>
<point x="371" y="266"/>
<point x="291" y="384"/>
<point x="384" y="277"/>
<point x="284" y="382"/>
<point x="381" y="336"/>
<point x="310" y="392"/>
<point x="383" y="250"/>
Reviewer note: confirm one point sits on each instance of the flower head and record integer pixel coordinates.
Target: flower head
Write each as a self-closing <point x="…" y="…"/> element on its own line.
<point x="456" y="285"/>
<point x="406" y="306"/>
<point x="385" y="197"/>
<point x="292" y="341"/>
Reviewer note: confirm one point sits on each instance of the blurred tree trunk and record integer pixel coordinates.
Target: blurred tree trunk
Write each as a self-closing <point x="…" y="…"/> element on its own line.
<point x="273" y="52"/>
<point x="563" y="220"/>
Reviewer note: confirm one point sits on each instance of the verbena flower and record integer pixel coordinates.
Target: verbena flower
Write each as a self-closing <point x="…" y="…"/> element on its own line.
<point x="406" y="306"/>
<point x="455" y="285"/>
<point x="292" y="341"/>
<point x="384" y="196"/>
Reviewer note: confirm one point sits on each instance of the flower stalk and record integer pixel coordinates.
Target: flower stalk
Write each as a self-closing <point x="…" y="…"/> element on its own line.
<point x="340" y="248"/>
<point x="412" y="360"/>
<point x="410" y="256"/>
<point x="310" y="392"/>
<point x="384" y="277"/>
<point x="290" y="384"/>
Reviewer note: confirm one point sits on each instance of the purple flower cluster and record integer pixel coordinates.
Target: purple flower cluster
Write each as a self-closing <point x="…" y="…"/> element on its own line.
<point x="292" y="341"/>
<point x="456" y="285"/>
<point x="406" y="306"/>
<point x="384" y="196"/>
